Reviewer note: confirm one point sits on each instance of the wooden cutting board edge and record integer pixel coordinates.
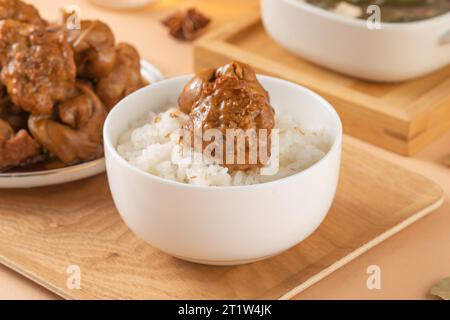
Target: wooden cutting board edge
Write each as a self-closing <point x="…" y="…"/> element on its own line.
<point x="363" y="249"/>
<point x="34" y="277"/>
<point x="288" y="295"/>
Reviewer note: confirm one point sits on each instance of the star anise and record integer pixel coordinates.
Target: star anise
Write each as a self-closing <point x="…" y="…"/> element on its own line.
<point x="186" y="25"/>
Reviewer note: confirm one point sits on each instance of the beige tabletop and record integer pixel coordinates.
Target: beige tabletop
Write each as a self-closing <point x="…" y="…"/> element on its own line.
<point x="410" y="262"/>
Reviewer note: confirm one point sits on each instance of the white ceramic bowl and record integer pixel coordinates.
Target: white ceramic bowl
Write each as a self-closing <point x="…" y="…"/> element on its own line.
<point x="396" y="52"/>
<point x="223" y="225"/>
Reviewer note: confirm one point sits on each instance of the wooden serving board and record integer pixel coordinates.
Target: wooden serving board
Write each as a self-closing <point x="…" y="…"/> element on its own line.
<point x="401" y="117"/>
<point x="44" y="231"/>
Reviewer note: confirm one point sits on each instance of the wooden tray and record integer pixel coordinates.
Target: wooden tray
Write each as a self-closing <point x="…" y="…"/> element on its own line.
<point x="402" y="117"/>
<point x="43" y="231"/>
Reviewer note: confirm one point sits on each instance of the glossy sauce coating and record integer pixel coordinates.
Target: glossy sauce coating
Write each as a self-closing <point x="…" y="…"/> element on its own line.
<point x="229" y="97"/>
<point x="54" y="84"/>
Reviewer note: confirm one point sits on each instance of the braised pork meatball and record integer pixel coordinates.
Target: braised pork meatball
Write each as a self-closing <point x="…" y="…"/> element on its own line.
<point x="124" y="79"/>
<point x="75" y="135"/>
<point x="229" y="97"/>
<point x="20" y="11"/>
<point x="94" y="47"/>
<point x="17" y="149"/>
<point x="38" y="67"/>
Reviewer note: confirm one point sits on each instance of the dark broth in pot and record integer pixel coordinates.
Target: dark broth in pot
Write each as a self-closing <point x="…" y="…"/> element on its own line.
<point x="392" y="10"/>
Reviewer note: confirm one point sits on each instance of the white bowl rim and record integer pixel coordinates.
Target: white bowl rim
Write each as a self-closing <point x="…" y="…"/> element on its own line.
<point x="362" y="23"/>
<point x="337" y="143"/>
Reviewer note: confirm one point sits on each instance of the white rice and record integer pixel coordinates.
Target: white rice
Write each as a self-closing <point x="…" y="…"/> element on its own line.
<point x="152" y="144"/>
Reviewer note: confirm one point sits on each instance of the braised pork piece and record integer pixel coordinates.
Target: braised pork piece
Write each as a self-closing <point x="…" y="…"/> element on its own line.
<point x="123" y="79"/>
<point x="76" y="133"/>
<point x="20" y="11"/>
<point x="229" y="97"/>
<point x="17" y="148"/>
<point x="54" y="85"/>
<point x="12" y="114"/>
<point x="94" y="48"/>
<point x="40" y="67"/>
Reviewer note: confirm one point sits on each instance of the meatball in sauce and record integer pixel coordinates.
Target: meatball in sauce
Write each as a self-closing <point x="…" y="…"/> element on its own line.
<point x="230" y="97"/>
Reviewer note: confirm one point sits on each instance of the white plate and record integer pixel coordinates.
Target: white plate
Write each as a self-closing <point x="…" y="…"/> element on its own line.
<point x="71" y="173"/>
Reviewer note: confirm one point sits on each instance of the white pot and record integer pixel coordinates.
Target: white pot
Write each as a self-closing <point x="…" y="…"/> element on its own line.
<point x="223" y="225"/>
<point x="396" y="52"/>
